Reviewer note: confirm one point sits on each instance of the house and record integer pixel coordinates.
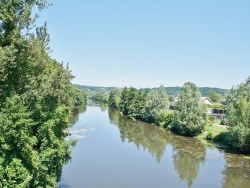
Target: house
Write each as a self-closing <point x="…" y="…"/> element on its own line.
<point x="219" y="113"/>
<point x="206" y="100"/>
<point x="173" y="104"/>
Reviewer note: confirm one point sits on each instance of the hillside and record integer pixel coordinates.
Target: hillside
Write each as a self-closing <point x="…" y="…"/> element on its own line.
<point x="205" y="91"/>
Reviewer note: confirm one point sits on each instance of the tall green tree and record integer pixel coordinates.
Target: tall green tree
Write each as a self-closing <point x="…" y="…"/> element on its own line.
<point x="238" y="116"/>
<point x="132" y="100"/>
<point x="190" y="114"/>
<point x="138" y="105"/>
<point x="114" y="99"/>
<point x="124" y="104"/>
<point x="37" y="99"/>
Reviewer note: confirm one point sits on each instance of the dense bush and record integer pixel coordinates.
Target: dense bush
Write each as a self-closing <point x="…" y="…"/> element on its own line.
<point x="164" y="118"/>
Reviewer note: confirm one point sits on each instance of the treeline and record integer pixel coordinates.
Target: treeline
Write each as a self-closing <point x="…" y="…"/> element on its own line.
<point x="36" y="100"/>
<point x="189" y="117"/>
<point x="171" y="91"/>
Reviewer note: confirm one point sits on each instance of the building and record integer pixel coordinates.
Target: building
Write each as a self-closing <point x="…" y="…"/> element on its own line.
<point x="219" y="113"/>
<point x="206" y="100"/>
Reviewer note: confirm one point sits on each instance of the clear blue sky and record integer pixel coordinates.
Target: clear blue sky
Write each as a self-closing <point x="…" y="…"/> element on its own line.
<point x="146" y="43"/>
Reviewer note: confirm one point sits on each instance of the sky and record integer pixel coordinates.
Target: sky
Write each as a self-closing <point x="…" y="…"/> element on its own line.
<point x="146" y="43"/>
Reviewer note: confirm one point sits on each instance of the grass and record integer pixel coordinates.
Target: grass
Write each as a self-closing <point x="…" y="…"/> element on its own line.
<point x="211" y="131"/>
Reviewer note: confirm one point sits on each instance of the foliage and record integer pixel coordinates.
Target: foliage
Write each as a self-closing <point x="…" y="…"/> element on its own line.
<point x="171" y="91"/>
<point x="102" y="97"/>
<point x="156" y="101"/>
<point x="190" y="114"/>
<point x="81" y="97"/>
<point x="206" y="91"/>
<point x="165" y="118"/>
<point x="136" y="103"/>
<point x="132" y="102"/>
<point x="211" y="119"/>
<point x="171" y="98"/>
<point x="114" y="99"/>
<point x="209" y="136"/>
<point x="215" y="97"/>
<point x="95" y="89"/>
<point x="215" y="106"/>
<point x="238" y="116"/>
<point x="124" y="104"/>
<point x="37" y="99"/>
<point x="151" y="106"/>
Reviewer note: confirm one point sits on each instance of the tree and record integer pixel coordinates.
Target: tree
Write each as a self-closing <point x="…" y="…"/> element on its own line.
<point x="132" y="103"/>
<point x="215" y="97"/>
<point x="238" y="116"/>
<point x="114" y="99"/>
<point x="102" y="97"/>
<point x="190" y="114"/>
<point x="124" y="101"/>
<point x="37" y="99"/>
<point x="156" y="102"/>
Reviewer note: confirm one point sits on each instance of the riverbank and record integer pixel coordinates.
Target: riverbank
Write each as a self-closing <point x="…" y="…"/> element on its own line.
<point x="215" y="135"/>
<point x="212" y="131"/>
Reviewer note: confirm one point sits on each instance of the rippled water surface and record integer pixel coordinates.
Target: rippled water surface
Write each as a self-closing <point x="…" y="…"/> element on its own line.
<point x="115" y="152"/>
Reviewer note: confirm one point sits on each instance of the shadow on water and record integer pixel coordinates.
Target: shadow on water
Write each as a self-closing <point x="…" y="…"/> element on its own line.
<point x="102" y="106"/>
<point x="75" y="115"/>
<point x="188" y="153"/>
<point x="237" y="171"/>
<point x="143" y="135"/>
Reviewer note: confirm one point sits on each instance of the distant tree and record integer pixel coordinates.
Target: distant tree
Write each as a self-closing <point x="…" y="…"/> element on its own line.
<point x="137" y="105"/>
<point x="171" y="98"/>
<point x="132" y="97"/>
<point x="190" y="114"/>
<point x="215" y="97"/>
<point x="238" y="116"/>
<point x="81" y="97"/>
<point x="102" y="97"/>
<point x="114" y="99"/>
<point x="124" y="101"/>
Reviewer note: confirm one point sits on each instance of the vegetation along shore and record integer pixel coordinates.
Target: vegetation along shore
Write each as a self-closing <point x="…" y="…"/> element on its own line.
<point x="190" y="116"/>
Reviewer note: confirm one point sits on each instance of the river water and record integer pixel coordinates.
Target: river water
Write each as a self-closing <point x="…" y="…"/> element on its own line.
<point x="115" y="152"/>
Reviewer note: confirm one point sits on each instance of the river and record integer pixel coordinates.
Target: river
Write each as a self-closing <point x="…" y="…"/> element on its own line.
<point x="115" y="152"/>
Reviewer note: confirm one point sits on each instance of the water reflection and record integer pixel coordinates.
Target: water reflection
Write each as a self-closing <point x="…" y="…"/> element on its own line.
<point x="143" y="135"/>
<point x="188" y="153"/>
<point x="237" y="172"/>
<point x="101" y="105"/>
<point x="177" y="161"/>
<point x="75" y="115"/>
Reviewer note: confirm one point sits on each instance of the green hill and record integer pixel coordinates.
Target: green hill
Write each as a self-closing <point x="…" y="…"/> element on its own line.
<point x="205" y="91"/>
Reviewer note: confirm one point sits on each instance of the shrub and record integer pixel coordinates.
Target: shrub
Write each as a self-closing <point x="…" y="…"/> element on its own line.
<point x="209" y="136"/>
<point x="164" y="118"/>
